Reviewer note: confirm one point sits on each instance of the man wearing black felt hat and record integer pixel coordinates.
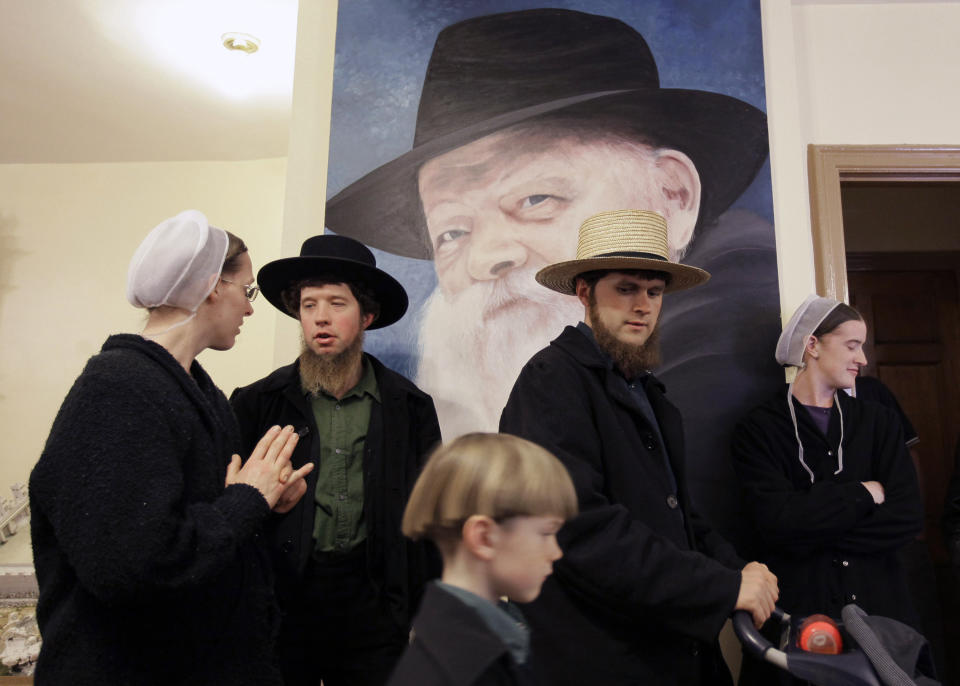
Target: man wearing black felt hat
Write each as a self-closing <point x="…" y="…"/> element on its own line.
<point x="528" y="123"/>
<point x="347" y="581"/>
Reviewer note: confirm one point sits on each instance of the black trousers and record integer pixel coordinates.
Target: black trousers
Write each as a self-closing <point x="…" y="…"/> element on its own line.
<point x="338" y="630"/>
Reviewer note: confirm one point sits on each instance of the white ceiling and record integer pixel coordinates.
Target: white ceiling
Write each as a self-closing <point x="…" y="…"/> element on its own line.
<point x="141" y="80"/>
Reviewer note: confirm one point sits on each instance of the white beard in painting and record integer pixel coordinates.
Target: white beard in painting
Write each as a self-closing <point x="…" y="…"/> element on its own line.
<point x="473" y="345"/>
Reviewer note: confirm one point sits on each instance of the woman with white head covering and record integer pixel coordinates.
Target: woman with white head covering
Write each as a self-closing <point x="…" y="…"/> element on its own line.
<point x="828" y="478"/>
<point x="145" y="526"/>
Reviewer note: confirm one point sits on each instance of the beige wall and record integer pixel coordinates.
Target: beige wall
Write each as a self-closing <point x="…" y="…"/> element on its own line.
<point x="850" y="72"/>
<point x="66" y="236"/>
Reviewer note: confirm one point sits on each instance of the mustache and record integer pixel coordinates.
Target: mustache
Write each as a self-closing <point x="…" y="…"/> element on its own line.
<point x="488" y="297"/>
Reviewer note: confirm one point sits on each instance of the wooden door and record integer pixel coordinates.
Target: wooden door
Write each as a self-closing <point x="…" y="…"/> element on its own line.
<point x="913" y="346"/>
<point x="910" y="304"/>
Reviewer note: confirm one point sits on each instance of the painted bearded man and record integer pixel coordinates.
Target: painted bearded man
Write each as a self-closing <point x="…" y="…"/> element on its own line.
<point x="528" y="123"/>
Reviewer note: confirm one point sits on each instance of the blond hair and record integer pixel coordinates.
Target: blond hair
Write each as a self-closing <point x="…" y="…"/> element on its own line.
<point x="497" y="475"/>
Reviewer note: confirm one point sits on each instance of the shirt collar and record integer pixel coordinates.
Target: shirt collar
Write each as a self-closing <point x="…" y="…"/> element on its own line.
<point x="503" y="619"/>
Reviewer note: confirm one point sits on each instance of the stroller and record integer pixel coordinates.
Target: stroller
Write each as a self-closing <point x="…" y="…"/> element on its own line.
<point x="876" y="651"/>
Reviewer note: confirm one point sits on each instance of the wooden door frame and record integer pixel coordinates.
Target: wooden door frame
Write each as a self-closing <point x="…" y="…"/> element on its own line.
<point x="828" y="165"/>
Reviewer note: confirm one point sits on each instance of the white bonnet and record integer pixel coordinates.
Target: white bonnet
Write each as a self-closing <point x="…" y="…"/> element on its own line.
<point x="178" y="263"/>
<point x="801" y="326"/>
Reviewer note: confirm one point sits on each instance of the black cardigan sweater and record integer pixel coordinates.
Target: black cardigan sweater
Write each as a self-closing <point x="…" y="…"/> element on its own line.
<point x="826" y="541"/>
<point x="150" y="571"/>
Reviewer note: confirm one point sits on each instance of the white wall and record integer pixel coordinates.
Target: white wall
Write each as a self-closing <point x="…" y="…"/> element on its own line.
<point x="67" y="233"/>
<point x="850" y="72"/>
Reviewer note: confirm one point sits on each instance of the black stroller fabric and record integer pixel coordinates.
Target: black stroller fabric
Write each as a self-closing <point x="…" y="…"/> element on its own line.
<point x="899" y="655"/>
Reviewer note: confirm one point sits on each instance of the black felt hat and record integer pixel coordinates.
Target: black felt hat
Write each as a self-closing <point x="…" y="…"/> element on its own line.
<point x="341" y="257"/>
<point x="491" y="72"/>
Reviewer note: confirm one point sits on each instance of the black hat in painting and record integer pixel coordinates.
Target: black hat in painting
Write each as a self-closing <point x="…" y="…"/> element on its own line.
<point x="336" y="256"/>
<point x="491" y="72"/>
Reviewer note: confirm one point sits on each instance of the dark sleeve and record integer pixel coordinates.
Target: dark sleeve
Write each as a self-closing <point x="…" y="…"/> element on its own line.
<point x="425" y="561"/>
<point x="428" y="432"/>
<point x="417" y="668"/>
<point x="111" y="486"/>
<point x="790" y="518"/>
<point x="611" y="560"/>
<point x="711" y="543"/>
<point x="245" y="408"/>
<point x="951" y="513"/>
<point x="877" y="391"/>
<point x="899" y="518"/>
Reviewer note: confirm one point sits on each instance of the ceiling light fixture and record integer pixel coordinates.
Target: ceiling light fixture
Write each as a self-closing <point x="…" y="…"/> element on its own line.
<point x="241" y="42"/>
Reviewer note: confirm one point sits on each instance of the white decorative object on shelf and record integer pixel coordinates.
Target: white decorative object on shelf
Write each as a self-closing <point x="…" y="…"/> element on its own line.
<point x="14" y="511"/>
<point x="20" y="642"/>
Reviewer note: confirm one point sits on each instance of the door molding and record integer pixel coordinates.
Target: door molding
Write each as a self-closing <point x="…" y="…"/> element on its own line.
<point x="829" y="165"/>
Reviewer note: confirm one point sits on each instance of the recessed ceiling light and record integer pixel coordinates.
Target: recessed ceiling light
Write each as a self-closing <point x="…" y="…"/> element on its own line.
<point x="242" y="42"/>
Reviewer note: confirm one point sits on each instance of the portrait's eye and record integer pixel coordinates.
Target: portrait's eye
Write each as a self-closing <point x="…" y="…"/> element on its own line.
<point x="450" y="236"/>
<point x="533" y="200"/>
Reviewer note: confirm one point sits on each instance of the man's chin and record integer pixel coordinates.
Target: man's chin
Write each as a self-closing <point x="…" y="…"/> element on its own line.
<point x="324" y="351"/>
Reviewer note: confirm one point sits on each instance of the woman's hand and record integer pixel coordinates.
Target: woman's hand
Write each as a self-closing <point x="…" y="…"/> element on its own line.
<point x="268" y="469"/>
<point x="876" y="491"/>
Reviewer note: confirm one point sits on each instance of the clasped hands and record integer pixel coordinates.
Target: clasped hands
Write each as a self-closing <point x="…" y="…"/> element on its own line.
<point x="268" y="469"/>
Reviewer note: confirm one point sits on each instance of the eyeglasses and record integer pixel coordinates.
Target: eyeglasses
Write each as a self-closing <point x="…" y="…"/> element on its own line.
<point x="249" y="291"/>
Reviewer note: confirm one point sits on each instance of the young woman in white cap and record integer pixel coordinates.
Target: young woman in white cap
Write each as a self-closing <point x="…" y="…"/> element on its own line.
<point x="145" y="526"/>
<point x="829" y="480"/>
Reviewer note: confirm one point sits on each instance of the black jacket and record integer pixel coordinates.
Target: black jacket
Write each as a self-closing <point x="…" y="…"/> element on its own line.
<point x="403" y="430"/>
<point x="645" y="585"/>
<point x="150" y="570"/>
<point x="452" y="646"/>
<point x="827" y="542"/>
<point x="951" y="514"/>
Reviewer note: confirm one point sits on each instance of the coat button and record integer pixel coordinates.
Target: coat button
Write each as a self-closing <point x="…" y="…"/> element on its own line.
<point x="845" y="563"/>
<point x="286" y="546"/>
<point x="853" y="596"/>
<point x="672" y="501"/>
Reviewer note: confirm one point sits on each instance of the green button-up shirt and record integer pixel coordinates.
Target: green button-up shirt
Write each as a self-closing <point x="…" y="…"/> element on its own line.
<point x="342" y="431"/>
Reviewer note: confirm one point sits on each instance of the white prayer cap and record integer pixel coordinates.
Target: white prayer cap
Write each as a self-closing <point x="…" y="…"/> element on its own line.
<point x="178" y="263"/>
<point x="801" y="326"/>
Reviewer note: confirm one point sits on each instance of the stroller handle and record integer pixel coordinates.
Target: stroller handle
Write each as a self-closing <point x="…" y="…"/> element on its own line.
<point x="754" y="642"/>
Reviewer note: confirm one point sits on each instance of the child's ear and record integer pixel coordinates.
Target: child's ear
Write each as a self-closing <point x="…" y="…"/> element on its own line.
<point x="479" y="535"/>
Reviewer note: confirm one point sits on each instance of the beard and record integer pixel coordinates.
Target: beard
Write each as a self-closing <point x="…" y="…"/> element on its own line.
<point x="473" y="345"/>
<point x="631" y="359"/>
<point x="329" y="373"/>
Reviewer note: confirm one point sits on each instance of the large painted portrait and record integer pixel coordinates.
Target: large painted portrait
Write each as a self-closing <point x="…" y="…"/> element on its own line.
<point x="469" y="140"/>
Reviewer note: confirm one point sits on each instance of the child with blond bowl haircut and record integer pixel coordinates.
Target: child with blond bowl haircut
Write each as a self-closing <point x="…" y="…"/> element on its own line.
<point x="493" y="504"/>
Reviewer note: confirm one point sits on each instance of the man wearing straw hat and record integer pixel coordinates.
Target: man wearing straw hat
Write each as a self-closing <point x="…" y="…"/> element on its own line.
<point x="347" y="581"/>
<point x="644" y="585"/>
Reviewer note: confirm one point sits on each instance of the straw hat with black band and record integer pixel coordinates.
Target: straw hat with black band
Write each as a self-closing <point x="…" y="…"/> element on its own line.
<point x="491" y="72"/>
<point x="336" y="256"/>
<point x="621" y="240"/>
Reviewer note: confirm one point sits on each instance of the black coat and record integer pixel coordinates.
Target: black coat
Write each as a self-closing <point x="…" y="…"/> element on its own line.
<point x="951" y="514"/>
<point x="827" y="542"/>
<point x="150" y="570"/>
<point x="645" y="585"/>
<point x="403" y="430"/>
<point x="452" y="646"/>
